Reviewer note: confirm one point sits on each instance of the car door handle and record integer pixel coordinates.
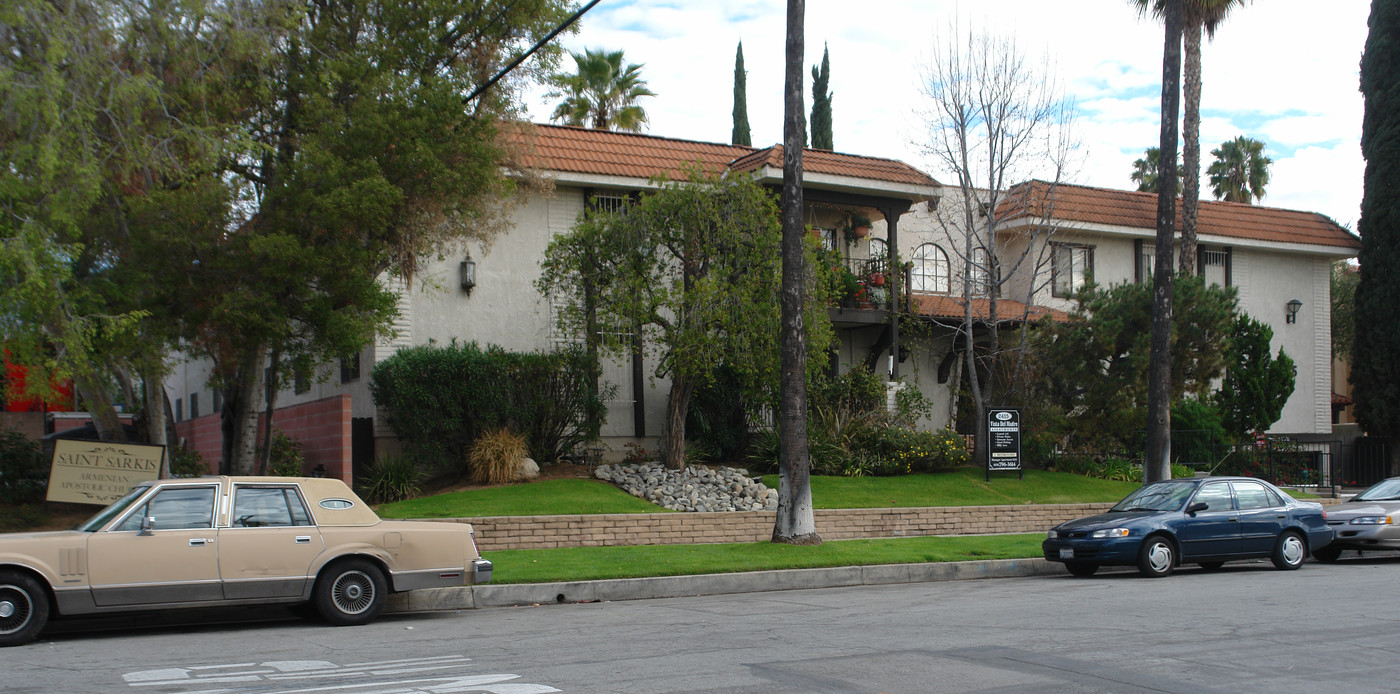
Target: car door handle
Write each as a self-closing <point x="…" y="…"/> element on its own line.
<point x="200" y="541"/>
<point x="303" y="539"/>
<point x="1234" y="520"/>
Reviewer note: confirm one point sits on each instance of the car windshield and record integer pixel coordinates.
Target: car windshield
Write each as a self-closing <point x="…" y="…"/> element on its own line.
<point x="1163" y="496"/>
<point x="1385" y="490"/>
<point x="95" y="523"/>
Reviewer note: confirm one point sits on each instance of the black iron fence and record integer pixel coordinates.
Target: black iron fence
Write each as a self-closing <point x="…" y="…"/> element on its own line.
<point x="1294" y="461"/>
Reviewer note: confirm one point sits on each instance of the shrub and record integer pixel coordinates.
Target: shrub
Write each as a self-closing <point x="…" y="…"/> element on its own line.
<point x="440" y="400"/>
<point x="716" y="420"/>
<point x="288" y="458"/>
<point x="902" y="450"/>
<point x="391" y="478"/>
<point x="24" y="475"/>
<point x="186" y="463"/>
<point x="496" y="457"/>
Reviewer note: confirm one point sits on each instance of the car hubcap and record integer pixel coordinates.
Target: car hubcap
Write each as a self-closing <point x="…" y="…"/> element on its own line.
<point x="1160" y="557"/>
<point x="353" y="592"/>
<point x="14" y="609"/>
<point x="1292" y="549"/>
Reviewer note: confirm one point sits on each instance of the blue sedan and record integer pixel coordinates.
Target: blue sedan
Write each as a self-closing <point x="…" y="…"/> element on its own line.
<point x="1201" y="520"/>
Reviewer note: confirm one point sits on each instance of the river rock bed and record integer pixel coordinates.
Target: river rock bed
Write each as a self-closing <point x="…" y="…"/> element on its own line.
<point x="692" y="489"/>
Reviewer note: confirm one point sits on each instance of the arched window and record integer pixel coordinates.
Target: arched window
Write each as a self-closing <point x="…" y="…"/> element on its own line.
<point x="879" y="250"/>
<point x="931" y="271"/>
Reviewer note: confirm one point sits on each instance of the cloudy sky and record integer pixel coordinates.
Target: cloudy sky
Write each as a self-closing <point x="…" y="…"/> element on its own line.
<point x="1281" y="71"/>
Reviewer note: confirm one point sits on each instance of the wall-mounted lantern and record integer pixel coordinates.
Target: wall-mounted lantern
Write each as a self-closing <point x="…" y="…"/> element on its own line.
<point x="1291" y="311"/>
<point x="467" y="272"/>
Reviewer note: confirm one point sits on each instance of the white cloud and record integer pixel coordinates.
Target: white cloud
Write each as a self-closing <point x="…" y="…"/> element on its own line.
<point x="1280" y="71"/>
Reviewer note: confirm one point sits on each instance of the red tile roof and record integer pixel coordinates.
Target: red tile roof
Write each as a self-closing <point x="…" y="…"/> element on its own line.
<point x="838" y="164"/>
<point x="1072" y="203"/>
<point x="946" y="306"/>
<point x="632" y="155"/>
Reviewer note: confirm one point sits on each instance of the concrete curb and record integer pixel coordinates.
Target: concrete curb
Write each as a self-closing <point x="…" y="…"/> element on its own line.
<point x="509" y="595"/>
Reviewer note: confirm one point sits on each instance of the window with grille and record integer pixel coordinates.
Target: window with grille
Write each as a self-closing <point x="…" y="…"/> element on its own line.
<point x="1214" y="266"/>
<point x="930" y="272"/>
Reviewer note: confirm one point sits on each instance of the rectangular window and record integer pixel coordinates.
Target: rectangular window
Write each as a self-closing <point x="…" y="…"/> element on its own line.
<point x="194" y="405"/>
<point x="1147" y="255"/>
<point x="1071" y="267"/>
<point x="218" y="400"/>
<point x="179" y="409"/>
<point x="350" y="368"/>
<point x="302" y="380"/>
<point x="610" y="203"/>
<point x="979" y="272"/>
<point x="1215" y="266"/>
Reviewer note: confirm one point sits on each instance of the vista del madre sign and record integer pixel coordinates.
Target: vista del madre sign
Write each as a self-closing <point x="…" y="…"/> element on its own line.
<point x="1003" y="440"/>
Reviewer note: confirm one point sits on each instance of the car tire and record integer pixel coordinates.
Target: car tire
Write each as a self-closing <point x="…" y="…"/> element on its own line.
<point x="1081" y="569"/>
<point x="1289" y="551"/>
<point x="1327" y="555"/>
<point x="1157" y="557"/>
<point x="1212" y="565"/>
<point x="24" y="608"/>
<point x="350" y="592"/>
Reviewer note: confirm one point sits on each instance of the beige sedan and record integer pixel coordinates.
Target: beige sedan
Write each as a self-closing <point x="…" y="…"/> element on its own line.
<point x="229" y="541"/>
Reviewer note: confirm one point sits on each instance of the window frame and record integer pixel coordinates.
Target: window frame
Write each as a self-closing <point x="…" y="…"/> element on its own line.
<point x="1057" y="271"/>
<point x="919" y="276"/>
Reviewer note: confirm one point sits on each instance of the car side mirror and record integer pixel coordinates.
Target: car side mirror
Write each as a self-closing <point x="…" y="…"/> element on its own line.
<point x="148" y="523"/>
<point x="1197" y="507"/>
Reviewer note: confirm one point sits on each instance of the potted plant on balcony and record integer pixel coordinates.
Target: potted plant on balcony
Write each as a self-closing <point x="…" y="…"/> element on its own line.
<point x="860" y="225"/>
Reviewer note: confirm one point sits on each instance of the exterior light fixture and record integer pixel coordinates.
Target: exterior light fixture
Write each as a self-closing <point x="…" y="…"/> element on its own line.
<point x="467" y="273"/>
<point x="1291" y="311"/>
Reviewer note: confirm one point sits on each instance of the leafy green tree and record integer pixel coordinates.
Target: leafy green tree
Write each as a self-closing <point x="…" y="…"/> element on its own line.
<point x="821" y="103"/>
<point x="1375" y="371"/>
<point x="1094" y="369"/>
<point x="1240" y="170"/>
<point x="602" y="93"/>
<point x="105" y="106"/>
<point x="1345" y="277"/>
<point x="1256" y="384"/>
<point x="693" y="268"/>
<point x="1145" y="171"/>
<point x="357" y="159"/>
<point x="740" y="136"/>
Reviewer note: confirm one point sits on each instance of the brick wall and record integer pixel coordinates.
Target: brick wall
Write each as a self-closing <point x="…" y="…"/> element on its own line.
<point x="322" y="426"/>
<point x="538" y="532"/>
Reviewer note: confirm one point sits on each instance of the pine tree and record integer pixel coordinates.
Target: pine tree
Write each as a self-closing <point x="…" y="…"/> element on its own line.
<point x="821" y="103"/>
<point x="1375" y="373"/>
<point x="741" y="101"/>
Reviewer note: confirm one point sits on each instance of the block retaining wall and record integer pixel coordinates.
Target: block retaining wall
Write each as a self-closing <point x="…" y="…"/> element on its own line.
<point x="540" y="532"/>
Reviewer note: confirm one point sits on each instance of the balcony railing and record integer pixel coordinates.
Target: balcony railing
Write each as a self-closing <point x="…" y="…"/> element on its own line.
<point x="863" y="283"/>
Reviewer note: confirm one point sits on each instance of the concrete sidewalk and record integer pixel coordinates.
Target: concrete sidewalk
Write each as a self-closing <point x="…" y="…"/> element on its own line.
<point x="508" y="595"/>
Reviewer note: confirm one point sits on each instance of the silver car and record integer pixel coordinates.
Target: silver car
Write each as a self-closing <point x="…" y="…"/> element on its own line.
<point x="1368" y="521"/>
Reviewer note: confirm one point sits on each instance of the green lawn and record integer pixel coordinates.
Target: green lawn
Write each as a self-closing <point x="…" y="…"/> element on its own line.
<point x="587" y="496"/>
<point x="967" y="487"/>
<point x="592" y="563"/>
<point x="956" y="489"/>
<point x="543" y="498"/>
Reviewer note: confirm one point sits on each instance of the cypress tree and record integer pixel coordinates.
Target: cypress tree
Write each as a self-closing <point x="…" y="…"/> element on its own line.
<point x="1375" y="373"/>
<point x="821" y="103"/>
<point x="741" y="101"/>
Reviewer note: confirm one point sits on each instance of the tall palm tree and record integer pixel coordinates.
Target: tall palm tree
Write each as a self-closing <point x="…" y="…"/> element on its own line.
<point x="1145" y="171"/>
<point x="1157" y="457"/>
<point x="1196" y="16"/>
<point x="1240" y="171"/>
<point x="603" y="93"/>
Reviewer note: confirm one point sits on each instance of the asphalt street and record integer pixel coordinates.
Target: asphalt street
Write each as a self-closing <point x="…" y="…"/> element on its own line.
<point x="1247" y="628"/>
